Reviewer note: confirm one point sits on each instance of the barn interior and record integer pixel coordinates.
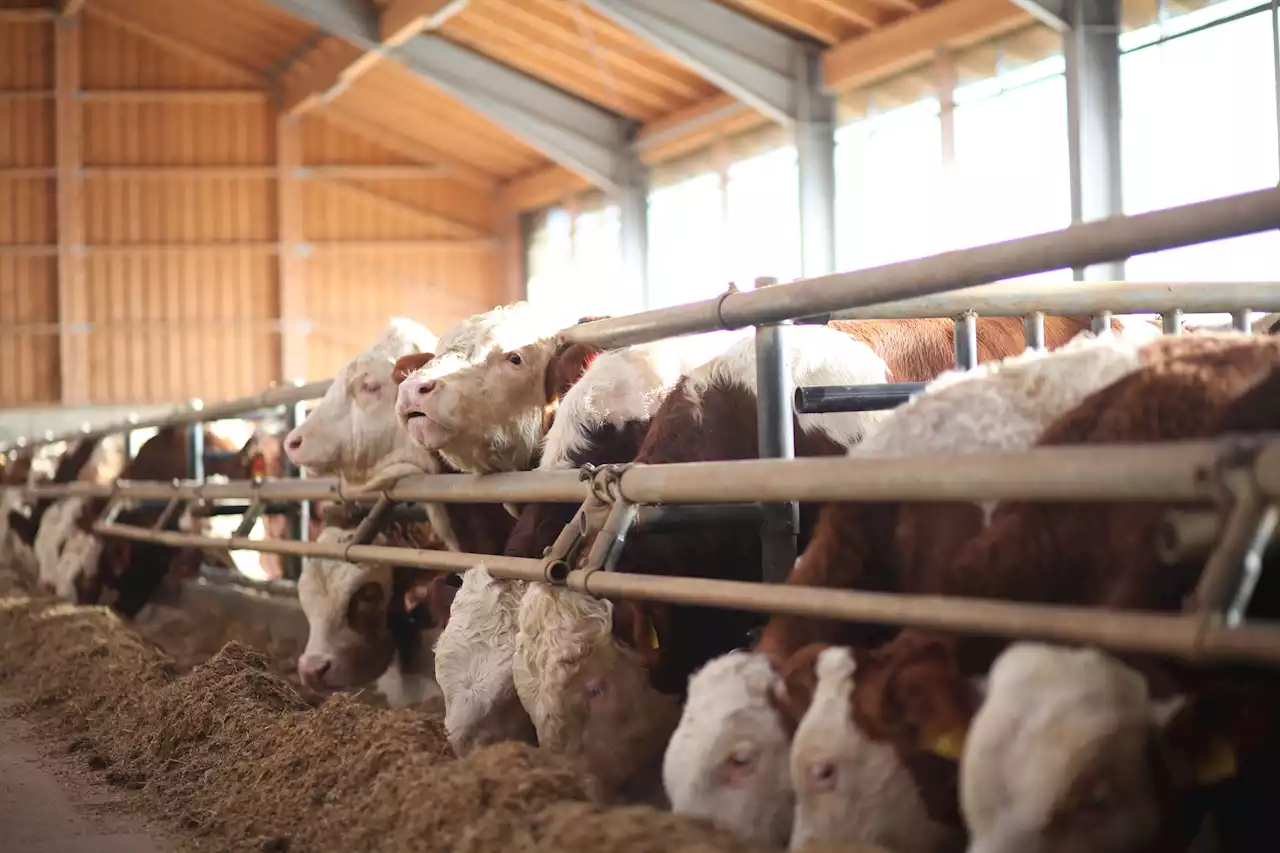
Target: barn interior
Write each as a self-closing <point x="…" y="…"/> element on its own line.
<point x="210" y="209"/>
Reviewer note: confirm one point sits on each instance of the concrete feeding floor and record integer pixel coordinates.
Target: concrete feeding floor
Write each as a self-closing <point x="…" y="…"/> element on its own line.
<point x="47" y="805"/>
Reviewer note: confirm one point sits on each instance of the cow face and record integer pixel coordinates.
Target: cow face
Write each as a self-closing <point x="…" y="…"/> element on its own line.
<point x="485" y="403"/>
<point x="727" y="761"/>
<point x="588" y="695"/>
<point x="349" y="642"/>
<point x="352" y="431"/>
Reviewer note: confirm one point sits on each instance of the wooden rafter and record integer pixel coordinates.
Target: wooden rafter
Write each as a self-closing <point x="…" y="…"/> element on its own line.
<point x="429" y="217"/>
<point x="408" y="147"/>
<point x="178" y="46"/>
<point x="913" y="40"/>
<point x="799" y="16"/>
<point x="863" y="12"/>
<point x="398" y="22"/>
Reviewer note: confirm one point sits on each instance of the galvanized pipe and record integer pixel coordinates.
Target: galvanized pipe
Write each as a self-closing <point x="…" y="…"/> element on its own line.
<point x="780" y="521"/>
<point x="181" y="415"/>
<point x="1100" y="322"/>
<point x="1018" y="299"/>
<point x="195" y="451"/>
<point x="1078" y="246"/>
<point x="966" y="334"/>
<point x="674" y="518"/>
<point x="816" y="399"/>
<point x="1168" y="634"/>
<point x="1240" y="321"/>
<point x="1033" y="330"/>
<point x="1171" y="322"/>
<point x="1160" y="472"/>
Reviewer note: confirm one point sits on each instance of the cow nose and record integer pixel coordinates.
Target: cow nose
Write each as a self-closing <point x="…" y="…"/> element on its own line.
<point x="313" y="670"/>
<point x="294" y="442"/>
<point x="425" y="387"/>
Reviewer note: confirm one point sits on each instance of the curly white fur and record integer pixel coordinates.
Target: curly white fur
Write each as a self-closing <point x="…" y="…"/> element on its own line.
<point x="473" y="663"/>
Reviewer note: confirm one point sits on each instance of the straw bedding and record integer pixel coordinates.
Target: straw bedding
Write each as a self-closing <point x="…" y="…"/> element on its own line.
<point x="228" y="751"/>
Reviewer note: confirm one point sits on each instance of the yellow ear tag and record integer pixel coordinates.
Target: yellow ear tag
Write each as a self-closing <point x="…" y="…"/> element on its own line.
<point x="950" y="745"/>
<point x="1218" y="763"/>
<point x="653" y="635"/>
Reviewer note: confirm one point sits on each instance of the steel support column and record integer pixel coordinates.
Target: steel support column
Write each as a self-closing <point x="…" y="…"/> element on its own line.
<point x="633" y="237"/>
<point x="815" y="138"/>
<point x="1092" y="49"/>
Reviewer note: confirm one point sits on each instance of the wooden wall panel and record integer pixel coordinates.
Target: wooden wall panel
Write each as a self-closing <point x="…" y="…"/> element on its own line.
<point x="219" y="210"/>
<point x="168" y="326"/>
<point x="125" y="60"/>
<point x="178" y="134"/>
<point x="351" y="296"/>
<point x="182" y="269"/>
<point x="28" y="218"/>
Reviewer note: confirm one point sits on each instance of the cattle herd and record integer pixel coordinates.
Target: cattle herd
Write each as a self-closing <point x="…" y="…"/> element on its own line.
<point x="788" y="730"/>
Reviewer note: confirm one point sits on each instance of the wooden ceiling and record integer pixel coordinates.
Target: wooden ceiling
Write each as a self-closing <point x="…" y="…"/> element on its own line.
<point x="562" y="42"/>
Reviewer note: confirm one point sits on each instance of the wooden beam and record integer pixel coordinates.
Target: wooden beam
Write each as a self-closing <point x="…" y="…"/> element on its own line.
<point x="177" y="46"/>
<point x="253" y="247"/>
<point x="27" y="94"/>
<point x="70" y="8"/>
<point x="429" y="217"/>
<point x="913" y="41"/>
<point x="861" y="12"/>
<point x="170" y="173"/>
<point x="174" y="96"/>
<point x="374" y="171"/>
<point x="338" y="69"/>
<point x="290" y="264"/>
<point x="409" y="147"/>
<point x="401" y="20"/>
<point x="543" y="188"/>
<point x="28" y="250"/>
<point x="26" y="172"/>
<point x="25" y="16"/>
<point x="801" y="17"/>
<point x="73" y="295"/>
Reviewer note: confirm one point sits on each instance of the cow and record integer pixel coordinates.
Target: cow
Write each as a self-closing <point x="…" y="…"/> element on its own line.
<point x="997" y="406"/>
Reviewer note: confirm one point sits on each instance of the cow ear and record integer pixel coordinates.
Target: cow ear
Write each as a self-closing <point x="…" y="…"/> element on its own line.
<point x="407" y="365"/>
<point x="799" y="681"/>
<point x="634" y="626"/>
<point x="566" y="368"/>
<point x="911" y="691"/>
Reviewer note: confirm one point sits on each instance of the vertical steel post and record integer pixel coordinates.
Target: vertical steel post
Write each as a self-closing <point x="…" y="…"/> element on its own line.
<point x="195" y="451"/>
<point x="1171" y="322"/>
<point x="1033" y="330"/>
<point x="1100" y="323"/>
<point x="299" y="523"/>
<point x="1240" y="321"/>
<point x="966" y="341"/>
<point x="781" y="521"/>
<point x="1092" y="51"/>
<point x="815" y="138"/>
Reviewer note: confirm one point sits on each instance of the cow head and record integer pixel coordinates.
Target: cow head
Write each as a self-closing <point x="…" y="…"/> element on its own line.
<point x="474" y="664"/>
<point x="485" y="402"/>
<point x="589" y="695"/>
<point x="352" y="431"/>
<point x="727" y="761"/>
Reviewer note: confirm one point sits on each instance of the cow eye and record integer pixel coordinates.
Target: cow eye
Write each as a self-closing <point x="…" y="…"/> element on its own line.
<point x="515" y="358"/>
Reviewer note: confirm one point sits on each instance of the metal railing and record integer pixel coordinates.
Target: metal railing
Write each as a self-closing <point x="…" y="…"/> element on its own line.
<point x="1191" y="472"/>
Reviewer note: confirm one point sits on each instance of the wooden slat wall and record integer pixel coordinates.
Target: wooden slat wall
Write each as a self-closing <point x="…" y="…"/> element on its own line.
<point x="181" y="271"/>
<point x="28" y="280"/>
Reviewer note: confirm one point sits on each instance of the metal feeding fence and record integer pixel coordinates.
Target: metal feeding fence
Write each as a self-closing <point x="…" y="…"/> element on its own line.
<point x="618" y="499"/>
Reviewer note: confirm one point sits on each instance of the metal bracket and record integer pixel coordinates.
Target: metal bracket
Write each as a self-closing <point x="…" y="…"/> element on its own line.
<point x="1231" y="572"/>
<point x="592" y="516"/>
<point x="370" y="525"/>
<point x="172" y="508"/>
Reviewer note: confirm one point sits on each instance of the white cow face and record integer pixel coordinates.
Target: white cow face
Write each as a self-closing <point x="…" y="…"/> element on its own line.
<point x="352" y="431"/>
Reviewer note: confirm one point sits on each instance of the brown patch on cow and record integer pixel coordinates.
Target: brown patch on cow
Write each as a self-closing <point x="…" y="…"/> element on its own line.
<point x="799" y="676"/>
<point x="918" y="350"/>
<point x="406" y="365"/>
